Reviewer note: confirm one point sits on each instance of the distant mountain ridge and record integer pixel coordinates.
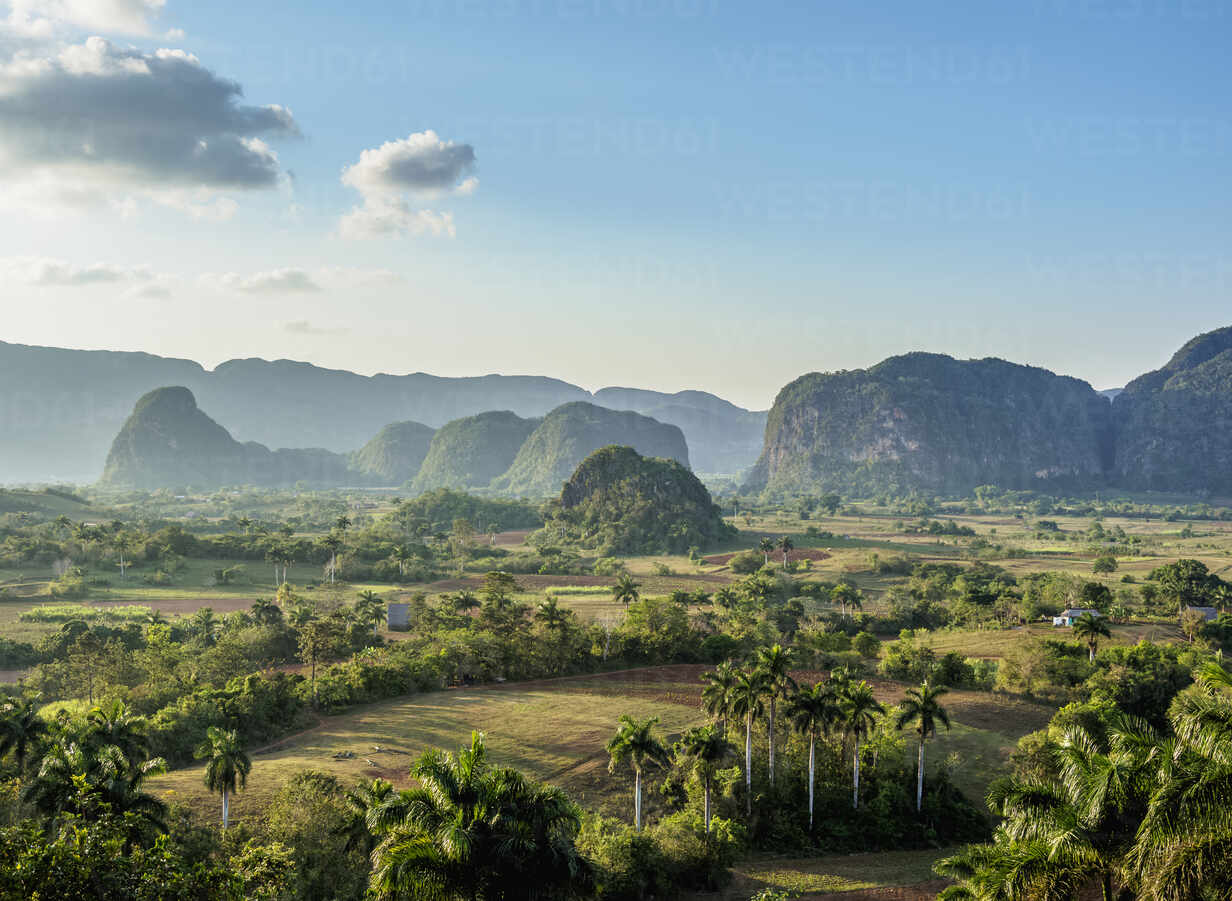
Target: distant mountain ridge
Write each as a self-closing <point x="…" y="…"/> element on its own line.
<point x="61" y="408"/>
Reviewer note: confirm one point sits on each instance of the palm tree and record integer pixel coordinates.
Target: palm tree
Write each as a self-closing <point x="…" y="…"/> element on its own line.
<point x="1182" y="845"/>
<point x="402" y="555"/>
<point x="1064" y="831"/>
<point x="635" y="743"/>
<point x="922" y="707"/>
<point x="362" y="802"/>
<point x="774" y="664"/>
<point x="331" y="543"/>
<point x="266" y="612"/>
<point x="115" y="725"/>
<point x="123" y="542"/>
<point x="465" y="601"/>
<point x="1090" y="629"/>
<point x="766" y="545"/>
<point x="813" y="711"/>
<point x="551" y="614"/>
<point x="21" y="728"/>
<point x="227" y="768"/>
<point x="702" y="752"/>
<point x="370" y="609"/>
<point x="625" y="590"/>
<point x="717" y="694"/>
<point x="245" y="524"/>
<point x="747" y="695"/>
<point x="203" y="624"/>
<point x="857" y="709"/>
<point x="785" y="545"/>
<point x="474" y="833"/>
<point x="342" y="523"/>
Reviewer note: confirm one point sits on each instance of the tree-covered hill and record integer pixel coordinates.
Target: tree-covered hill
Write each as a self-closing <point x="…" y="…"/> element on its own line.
<point x="1174" y="425"/>
<point x="928" y="421"/>
<point x="571" y="432"/>
<point x="472" y="451"/>
<point x="395" y="453"/>
<point x="620" y="502"/>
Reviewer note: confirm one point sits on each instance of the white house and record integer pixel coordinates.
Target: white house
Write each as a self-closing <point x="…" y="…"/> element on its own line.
<point x="1067" y="617"/>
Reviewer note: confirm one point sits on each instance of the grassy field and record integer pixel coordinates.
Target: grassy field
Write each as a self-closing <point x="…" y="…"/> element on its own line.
<point x="851" y="877"/>
<point x="555" y="731"/>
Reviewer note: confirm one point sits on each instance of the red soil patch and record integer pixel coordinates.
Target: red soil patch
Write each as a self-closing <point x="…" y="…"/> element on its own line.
<point x="536" y="582"/>
<point x="794" y="555"/>
<point x="511" y="538"/>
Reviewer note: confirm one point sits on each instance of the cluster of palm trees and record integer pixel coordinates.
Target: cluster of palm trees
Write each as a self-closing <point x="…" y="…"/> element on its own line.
<point x="840" y="706"/>
<point x="784" y="544"/>
<point x="1122" y="807"/>
<point x="100" y="763"/>
<point x="469" y="830"/>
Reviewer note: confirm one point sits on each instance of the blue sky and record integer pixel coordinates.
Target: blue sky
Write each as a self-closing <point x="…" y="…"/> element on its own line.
<point x="671" y="194"/>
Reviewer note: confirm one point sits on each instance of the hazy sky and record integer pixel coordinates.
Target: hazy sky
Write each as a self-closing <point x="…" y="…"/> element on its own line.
<point x="660" y="193"/>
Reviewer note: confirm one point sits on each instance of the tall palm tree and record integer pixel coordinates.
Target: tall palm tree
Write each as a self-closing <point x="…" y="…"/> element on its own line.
<point x="123" y="543"/>
<point x="813" y="711"/>
<point x="636" y="743"/>
<point x="362" y="802"/>
<point x="551" y="614"/>
<point x="402" y="556"/>
<point x="702" y="752"/>
<point x="747" y="701"/>
<point x="785" y="545"/>
<point x="227" y="765"/>
<point x="1184" y="845"/>
<point x="1090" y="629"/>
<point x="114" y="724"/>
<point x="774" y="664"/>
<point x="471" y="832"/>
<point x="923" y="708"/>
<point x="370" y="609"/>
<point x="766" y="545"/>
<point x="625" y="590"/>
<point x="1073" y="828"/>
<point x="465" y="601"/>
<point x="332" y="543"/>
<point x="342" y="523"/>
<point x="857" y="715"/>
<point x="21" y="728"/>
<point x="717" y="693"/>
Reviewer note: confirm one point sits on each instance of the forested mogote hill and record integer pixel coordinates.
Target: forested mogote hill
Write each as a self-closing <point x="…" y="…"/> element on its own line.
<point x="620" y="502"/>
<point x="1174" y="425"/>
<point x="927" y="421"/>
<point x="169" y="442"/>
<point x="571" y="432"/>
<point x="472" y="451"/>
<point x="395" y="454"/>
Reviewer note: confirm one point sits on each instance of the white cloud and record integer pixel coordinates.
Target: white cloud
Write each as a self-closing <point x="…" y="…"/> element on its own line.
<point x="48" y="272"/>
<point x="397" y="177"/>
<point x="101" y="123"/>
<point x="42" y="17"/>
<point x="274" y="281"/>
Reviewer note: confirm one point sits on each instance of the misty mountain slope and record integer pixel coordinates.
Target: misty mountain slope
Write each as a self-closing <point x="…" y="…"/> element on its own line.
<point x="722" y="437"/>
<point x="571" y="432"/>
<point x="60" y="409"/>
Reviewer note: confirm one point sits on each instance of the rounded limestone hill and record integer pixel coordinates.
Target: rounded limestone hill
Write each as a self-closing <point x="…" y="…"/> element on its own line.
<point x="573" y="431"/>
<point x="619" y="502"/>
<point x="472" y="451"/>
<point x="931" y="422"/>
<point x="168" y="441"/>
<point x="395" y="453"/>
<point x="1174" y="425"/>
